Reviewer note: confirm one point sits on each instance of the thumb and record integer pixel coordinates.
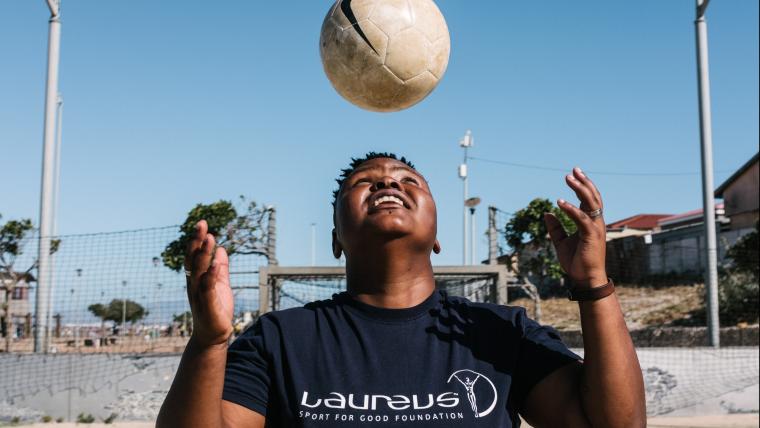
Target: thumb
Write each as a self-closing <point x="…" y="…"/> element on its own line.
<point x="556" y="231"/>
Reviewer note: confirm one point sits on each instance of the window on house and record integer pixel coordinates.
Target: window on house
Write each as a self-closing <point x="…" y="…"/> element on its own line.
<point x="18" y="293"/>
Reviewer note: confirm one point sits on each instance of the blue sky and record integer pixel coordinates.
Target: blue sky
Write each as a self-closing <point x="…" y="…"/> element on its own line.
<point x="171" y="103"/>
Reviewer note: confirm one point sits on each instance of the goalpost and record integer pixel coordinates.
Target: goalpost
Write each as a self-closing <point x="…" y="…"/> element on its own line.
<point x="281" y="287"/>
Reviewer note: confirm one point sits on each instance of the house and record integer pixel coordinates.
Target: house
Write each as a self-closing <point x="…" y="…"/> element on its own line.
<point x="637" y="225"/>
<point x="740" y="195"/>
<point x="648" y="245"/>
<point x="20" y="308"/>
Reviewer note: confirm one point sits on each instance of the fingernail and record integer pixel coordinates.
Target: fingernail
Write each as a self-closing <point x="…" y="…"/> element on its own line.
<point x="561" y="201"/>
<point x="579" y="171"/>
<point x="570" y="177"/>
<point x="214" y="263"/>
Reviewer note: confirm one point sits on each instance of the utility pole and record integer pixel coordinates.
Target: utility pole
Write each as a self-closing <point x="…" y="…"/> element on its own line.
<point x="42" y="301"/>
<point x="492" y="243"/>
<point x="708" y="199"/>
<point x="466" y="142"/>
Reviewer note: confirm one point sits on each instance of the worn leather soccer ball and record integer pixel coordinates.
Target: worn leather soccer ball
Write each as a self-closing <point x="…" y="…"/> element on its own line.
<point x="384" y="55"/>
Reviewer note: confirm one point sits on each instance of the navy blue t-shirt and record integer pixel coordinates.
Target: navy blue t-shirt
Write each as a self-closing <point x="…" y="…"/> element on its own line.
<point x="447" y="362"/>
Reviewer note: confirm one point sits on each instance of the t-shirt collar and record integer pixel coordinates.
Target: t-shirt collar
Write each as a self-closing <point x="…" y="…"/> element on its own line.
<point x="385" y="314"/>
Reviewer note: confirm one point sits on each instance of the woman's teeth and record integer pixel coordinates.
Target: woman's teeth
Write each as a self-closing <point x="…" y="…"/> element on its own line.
<point x="388" y="199"/>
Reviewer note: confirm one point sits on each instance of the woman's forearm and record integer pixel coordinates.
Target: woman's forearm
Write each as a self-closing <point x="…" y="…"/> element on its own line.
<point x="195" y="397"/>
<point x="612" y="388"/>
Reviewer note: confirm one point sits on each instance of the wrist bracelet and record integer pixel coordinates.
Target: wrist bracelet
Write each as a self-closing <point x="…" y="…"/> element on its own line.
<point x="585" y="294"/>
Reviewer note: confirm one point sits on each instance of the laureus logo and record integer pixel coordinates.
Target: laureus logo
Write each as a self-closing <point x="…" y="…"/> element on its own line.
<point x="469" y="379"/>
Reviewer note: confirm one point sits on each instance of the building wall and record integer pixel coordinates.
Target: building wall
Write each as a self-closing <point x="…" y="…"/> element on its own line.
<point x="742" y="198"/>
<point x="678" y="252"/>
<point x="19" y="307"/>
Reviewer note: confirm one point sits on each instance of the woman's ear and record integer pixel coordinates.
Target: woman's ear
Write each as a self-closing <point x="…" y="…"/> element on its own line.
<point x="336" y="247"/>
<point x="437" y="247"/>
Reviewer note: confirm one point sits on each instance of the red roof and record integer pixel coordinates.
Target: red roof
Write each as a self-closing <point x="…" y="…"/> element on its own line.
<point x="639" y="221"/>
<point x="689" y="215"/>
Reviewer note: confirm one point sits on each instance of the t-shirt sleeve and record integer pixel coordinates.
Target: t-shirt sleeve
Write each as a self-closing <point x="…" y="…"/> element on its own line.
<point x="541" y="353"/>
<point x="246" y="376"/>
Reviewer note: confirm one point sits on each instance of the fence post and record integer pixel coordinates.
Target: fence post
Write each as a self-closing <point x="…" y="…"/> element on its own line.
<point x="502" y="296"/>
<point x="492" y="238"/>
<point x="263" y="290"/>
<point x="273" y="289"/>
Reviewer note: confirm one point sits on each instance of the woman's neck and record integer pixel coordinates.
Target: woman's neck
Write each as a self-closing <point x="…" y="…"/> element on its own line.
<point x="390" y="280"/>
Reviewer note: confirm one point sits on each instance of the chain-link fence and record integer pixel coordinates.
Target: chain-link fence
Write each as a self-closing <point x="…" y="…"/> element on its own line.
<point x="119" y="319"/>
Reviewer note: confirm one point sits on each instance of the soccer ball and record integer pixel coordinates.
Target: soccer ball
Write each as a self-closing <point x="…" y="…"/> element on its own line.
<point x="384" y="55"/>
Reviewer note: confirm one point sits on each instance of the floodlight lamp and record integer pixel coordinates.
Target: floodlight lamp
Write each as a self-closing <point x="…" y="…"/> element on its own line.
<point x="472" y="202"/>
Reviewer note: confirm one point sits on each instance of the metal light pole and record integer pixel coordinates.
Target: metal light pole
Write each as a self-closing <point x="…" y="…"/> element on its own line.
<point x="56" y="198"/>
<point x="708" y="200"/>
<point x="124" y="308"/>
<point x="42" y="303"/>
<point x="471" y="203"/>
<point x="466" y="142"/>
<point x="156" y="261"/>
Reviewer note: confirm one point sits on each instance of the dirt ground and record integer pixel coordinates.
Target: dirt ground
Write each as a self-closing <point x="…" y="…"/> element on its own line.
<point x="718" y="421"/>
<point x="642" y="306"/>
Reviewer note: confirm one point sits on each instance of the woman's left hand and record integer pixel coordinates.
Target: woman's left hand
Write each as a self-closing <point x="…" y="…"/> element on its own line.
<point x="582" y="254"/>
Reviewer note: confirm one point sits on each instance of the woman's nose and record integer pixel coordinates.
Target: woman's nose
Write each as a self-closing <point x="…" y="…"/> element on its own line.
<point x="387" y="183"/>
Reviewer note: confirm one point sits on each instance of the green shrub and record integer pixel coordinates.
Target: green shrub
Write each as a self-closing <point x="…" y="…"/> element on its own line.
<point x="47" y="419"/>
<point x="87" y="418"/>
<point x="739" y="297"/>
<point x="110" y="418"/>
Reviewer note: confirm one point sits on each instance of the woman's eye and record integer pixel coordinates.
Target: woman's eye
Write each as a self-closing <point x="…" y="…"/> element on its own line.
<point x="409" y="180"/>
<point x="362" y="181"/>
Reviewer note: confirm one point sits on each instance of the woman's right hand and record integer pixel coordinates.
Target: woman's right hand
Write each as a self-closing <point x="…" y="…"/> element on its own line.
<point x="208" y="288"/>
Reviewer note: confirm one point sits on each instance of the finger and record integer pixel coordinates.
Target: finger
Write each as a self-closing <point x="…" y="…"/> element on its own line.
<point x="556" y="232"/>
<point x="583" y="178"/>
<point x="202" y="260"/>
<point x="199" y="235"/>
<point x="584" y="194"/>
<point x="580" y="218"/>
<point x="217" y="275"/>
<point x="559" y="238"/>
<point x="219" y="271"/>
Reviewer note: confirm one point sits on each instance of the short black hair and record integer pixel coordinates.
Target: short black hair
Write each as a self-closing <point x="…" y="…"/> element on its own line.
<point x="356" y="162"/>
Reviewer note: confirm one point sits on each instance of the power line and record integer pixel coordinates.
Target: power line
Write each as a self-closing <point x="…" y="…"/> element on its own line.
<point x="546" y="168"/>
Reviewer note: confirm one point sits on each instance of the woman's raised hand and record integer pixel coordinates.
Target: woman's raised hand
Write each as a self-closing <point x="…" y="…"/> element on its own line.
<point x="582" y="254"/>
<point x="208" y="288"/>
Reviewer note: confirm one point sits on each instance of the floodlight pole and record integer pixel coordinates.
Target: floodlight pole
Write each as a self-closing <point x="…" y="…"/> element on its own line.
<point x="42" y="303"/>
<point x="708" y="199"/>
<point x="473" y="256"/>
<point x="465" y="143"/>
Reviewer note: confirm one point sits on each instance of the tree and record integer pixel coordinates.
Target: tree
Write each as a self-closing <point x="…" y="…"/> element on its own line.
<point x="100" y="311"/>
<point x="529" y="240"/>
<point x="182" y="319"/>
<point x="130" y="310"/>
<point x="237" y="233"/>
<point x="14" y="236"/>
